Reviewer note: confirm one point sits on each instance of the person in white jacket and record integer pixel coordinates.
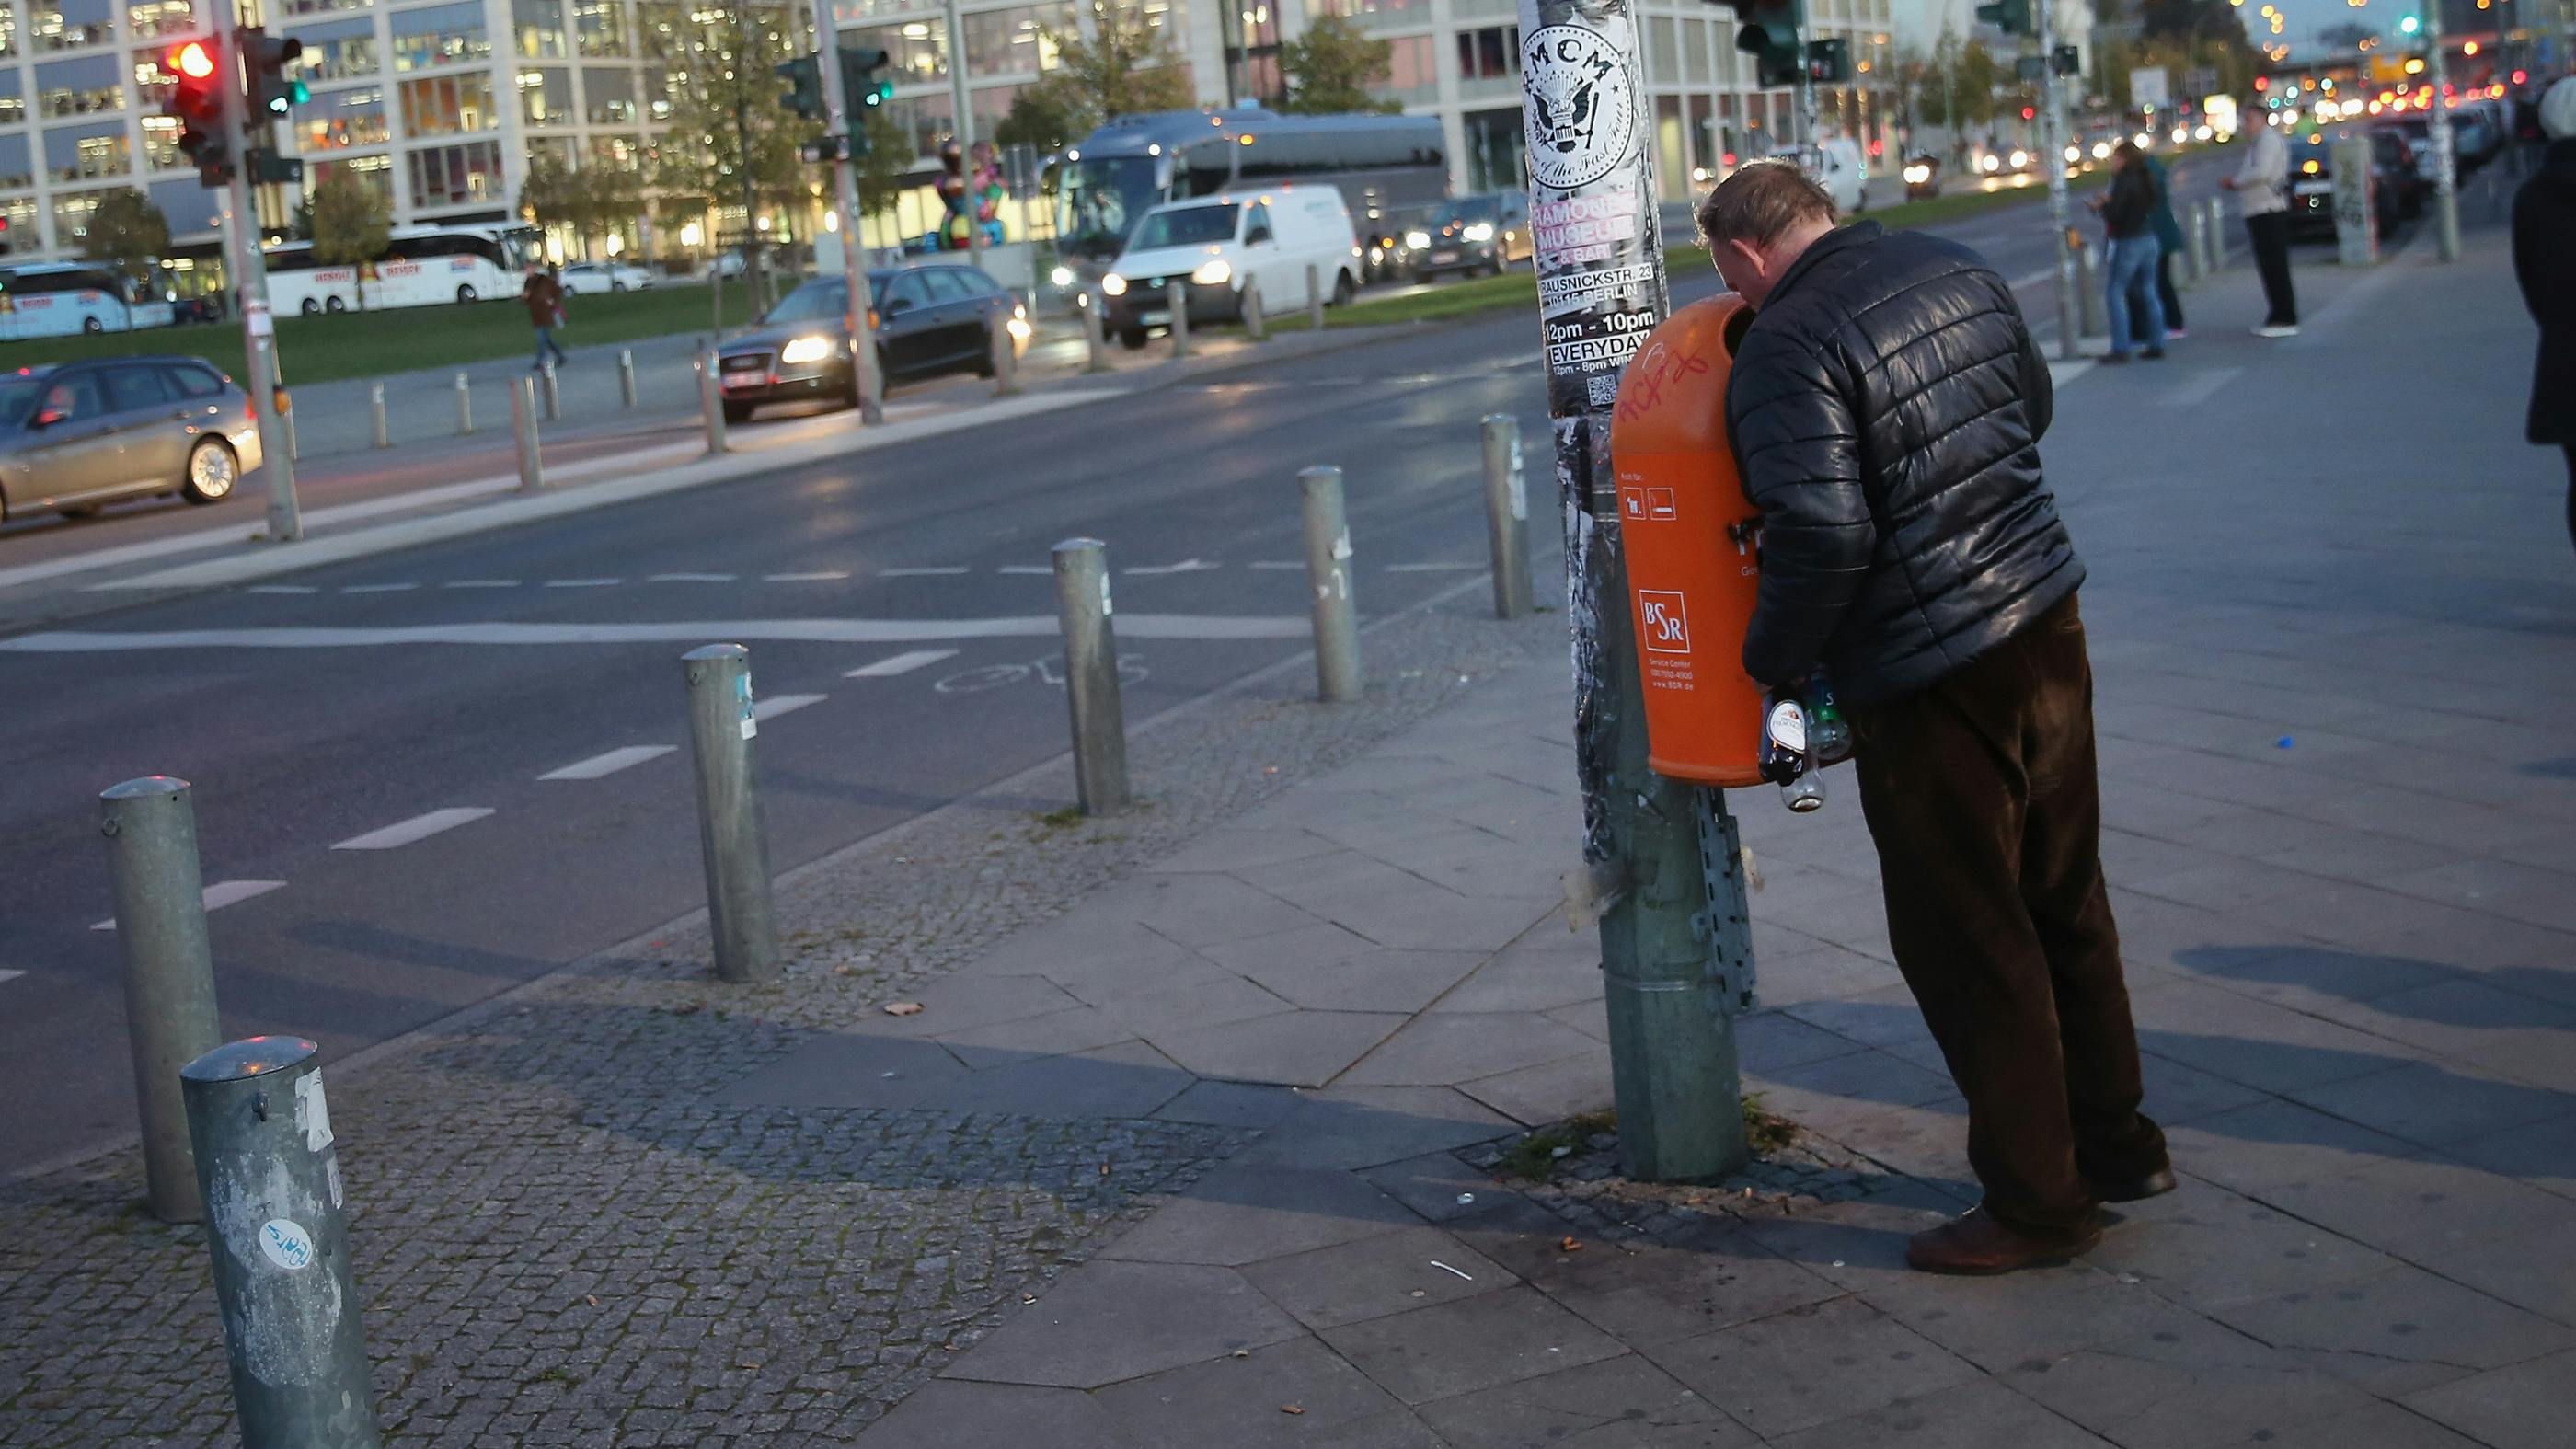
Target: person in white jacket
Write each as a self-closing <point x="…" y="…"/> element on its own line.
<point x="2262" y="187"/>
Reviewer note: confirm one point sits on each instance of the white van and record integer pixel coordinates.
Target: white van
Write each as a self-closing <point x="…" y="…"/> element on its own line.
<point x="1835" y="162"/>
<point x="1213" y="245"/>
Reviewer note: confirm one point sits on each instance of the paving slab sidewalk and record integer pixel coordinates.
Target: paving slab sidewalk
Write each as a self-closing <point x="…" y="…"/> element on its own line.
<point x="2351" y="961"/>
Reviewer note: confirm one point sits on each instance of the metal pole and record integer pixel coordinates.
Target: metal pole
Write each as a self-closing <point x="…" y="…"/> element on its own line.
<point x="294" y="448"/>
<point x="626" y="377"/>
<point x="1669" y="930"/>
<point x="151" y="832"/>
<point x="2356" y="220"/>
<point x="1255" y="329"/>
<point x="1507" y="515"/>
<point x="249" y="268"/>
<point x="1176" y="297"/>
<point x="2195" y="248"/>
<point x="376" y="408"/>
<point x="1314" y="298"/>
<point x="1328" y="568"/>
<point x="855" y="325"/>
<point x="553" y="393"/>
<point x="1091" y="675"/>
<point x="710" y="404"/>
<point x="278" y="1235"/>
<point x="464" y="406"/>
<point x="1006" y="362"/>
<point x="1095" y="340"/>
<point x="2446" y="155"/>
<point x="964" y="129"/>
<point x="2217" y="234"/>
<point x="523" y="432"/>
<point x="731" y="834"/>
<point x="2061" y="206"/>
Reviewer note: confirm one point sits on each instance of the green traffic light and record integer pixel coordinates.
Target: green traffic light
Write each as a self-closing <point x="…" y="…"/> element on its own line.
<point x="2408" y="24"/>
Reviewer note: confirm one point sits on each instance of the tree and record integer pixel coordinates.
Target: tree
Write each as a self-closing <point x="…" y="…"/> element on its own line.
<point x="1047" y="116"/>
<point x="352" y="224"/>
<point x="551" y="194"/>
<point x="890" y="158"/>
<point x="126" y="229"/>
<point x="1331" y="68"/>
<point x="1127" y="68"/>
<point x="1972" y="84"/>
<point x="732" y="140"/>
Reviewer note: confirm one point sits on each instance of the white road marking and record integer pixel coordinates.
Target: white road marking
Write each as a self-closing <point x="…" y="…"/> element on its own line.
<point x="812" y="631"/>
<point x="217" y="896"/>
<point x="1433" y="568"/>
<point x="11" y="975"/>
<point x="419" y="827"/>
<point x="939" y="573"/>
<point x="480" y="584"/>
<point x="822" y="576"/>
<point x="1276" y="565"/>
<point x="903" y="663"/>
<point x="2202" y="388"/>
<point x="690" y="579"/>
<point x="378" y="588"/>
<point x="1185" y="566"/>
<point x="281" y="589"/>
<point x="778" y="704"/>
<point x="580" y="583"/>
<point x="609" y="763"/>
<point x="1025" y="569"/>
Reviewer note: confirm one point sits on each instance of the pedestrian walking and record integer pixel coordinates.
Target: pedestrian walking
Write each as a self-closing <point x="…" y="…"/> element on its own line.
<point x="544" y="296"/>
<point x="2544" y="237"/>
<point x="2129" y="259"/>
<point x="2262" y="187"/>
<point x="1885" y="409"/>
<point x="2169" y="244"/>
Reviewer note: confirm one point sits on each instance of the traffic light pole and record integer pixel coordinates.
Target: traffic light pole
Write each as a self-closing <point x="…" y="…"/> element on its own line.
<point x="250" y="285"/>
<point x="2052" y="148"/>
<point x="1806" y="81"/>
<point x="2446" y="156"/>
<point x="854" y="268"/>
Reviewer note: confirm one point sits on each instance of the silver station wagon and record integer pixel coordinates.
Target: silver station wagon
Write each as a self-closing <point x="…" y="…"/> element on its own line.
<point x="76" y="436"/>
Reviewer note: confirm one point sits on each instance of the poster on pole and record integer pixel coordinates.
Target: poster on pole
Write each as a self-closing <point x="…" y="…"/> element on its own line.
<point x="2150" y="89"/>
<point x="1592" y="208"/>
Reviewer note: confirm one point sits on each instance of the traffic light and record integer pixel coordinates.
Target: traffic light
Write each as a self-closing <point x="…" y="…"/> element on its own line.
<point x="1829" y="61"/>
<point x="2012" y="17"/>
<point x="267" y="168"/>
<point x="2068" y="60"/>
<point x="861" y="83"/>
<point x="804" y="79"/>
<point x="267" y="90"/>
<point x="1770" y="36"/>
<point x="2408" y="24"/>
<point x="196" y="102"/>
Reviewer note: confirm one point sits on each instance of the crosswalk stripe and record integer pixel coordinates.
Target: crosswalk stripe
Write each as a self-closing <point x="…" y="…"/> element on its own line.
<point x="217" y="896"/>
<point x="904" y="663"/>
<point x="609" y="762"/>
<point x="419" y="827"/>
<point x="778" y="704"/>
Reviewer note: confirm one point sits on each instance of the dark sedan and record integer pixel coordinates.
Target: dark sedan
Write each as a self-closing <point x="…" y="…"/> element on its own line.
<point x="927" y="320"/>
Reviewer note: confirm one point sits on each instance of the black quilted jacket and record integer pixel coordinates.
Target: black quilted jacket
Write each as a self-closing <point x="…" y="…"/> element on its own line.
<point x="1885" y="410"/>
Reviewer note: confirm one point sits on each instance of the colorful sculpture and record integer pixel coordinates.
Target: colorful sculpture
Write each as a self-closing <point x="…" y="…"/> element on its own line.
<point x="973" y="200"/>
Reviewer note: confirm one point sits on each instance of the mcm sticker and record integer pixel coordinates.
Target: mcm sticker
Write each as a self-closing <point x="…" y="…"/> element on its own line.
<point x="1581" y="105"/>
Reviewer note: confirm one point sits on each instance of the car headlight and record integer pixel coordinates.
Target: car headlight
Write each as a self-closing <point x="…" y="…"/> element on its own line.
<point x="1214" y="272"/>
<point x="1061" y="276"/>
<point x="1018" y="327"/>
<point x="1113" y="285"/>
<point x="1917" y="175"/>
<point x="1990" y="162"/>
<point x="2101" y="150"/>
<point x="2074" y="154"/>
<point x="2020" y="159"/>
<point x="1418" y="240"/>
<point x="1482" y="231"/>
<point x="805" y="349"/>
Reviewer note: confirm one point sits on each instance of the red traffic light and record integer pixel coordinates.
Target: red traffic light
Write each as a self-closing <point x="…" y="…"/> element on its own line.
<point x="2262" y="83"/>
<point x="2028" y="112"/>
<point x="193" y="60"/>
<point x="2521" y="76"/>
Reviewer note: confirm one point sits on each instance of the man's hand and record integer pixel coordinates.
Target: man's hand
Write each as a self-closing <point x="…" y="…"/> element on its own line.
<point x="2229" y="182"/>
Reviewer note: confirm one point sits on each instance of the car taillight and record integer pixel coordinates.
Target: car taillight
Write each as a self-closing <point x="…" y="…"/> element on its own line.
<point x="250" y="413"/>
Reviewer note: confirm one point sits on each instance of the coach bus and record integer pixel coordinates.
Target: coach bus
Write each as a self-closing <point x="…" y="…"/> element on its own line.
<point x="57" y="299"/>
<point x="1135" y="163"/>
<point x="421" y="265"/>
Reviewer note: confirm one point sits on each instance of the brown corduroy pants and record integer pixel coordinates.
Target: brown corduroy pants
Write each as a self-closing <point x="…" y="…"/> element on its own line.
<point x="1981" y="795"/>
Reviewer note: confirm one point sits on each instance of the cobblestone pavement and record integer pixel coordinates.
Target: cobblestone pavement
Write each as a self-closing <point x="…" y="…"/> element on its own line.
<point x="564" y="1235"/>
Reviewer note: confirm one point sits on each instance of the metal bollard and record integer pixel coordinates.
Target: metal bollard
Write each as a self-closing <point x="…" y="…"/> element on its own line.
<point x="1328" y="567"/>
<point x="376" y="405"/>
<point x="1006" y="362"/>
<point x="523" y="429"/>
<point x="286" y="419"/>
<point x="2195" y="248"/>
<point x="1255" y="327"/>
<point x="626" y="377"/>
<point x="1095" y="338"/>
<point x="151" y="832"/>
<point x="2088" y="292"/>
<point x="1314" y="298"/>
<point x="464" y="406"/>
<point x="2217" y="233"/>
<point x="731" y="834"/>
<point x="1507" y="515"/>
<point x="1091" y="675"/>
<point x="711" y="404"/>
<point x="553" y="394"/>
<point x="1176" y="297"/>
<point x="278" y="1234"/>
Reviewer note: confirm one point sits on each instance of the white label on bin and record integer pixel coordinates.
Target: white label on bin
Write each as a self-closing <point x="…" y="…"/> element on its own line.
<point x="286" y="1243"/>
<point x="312" y="1112"/>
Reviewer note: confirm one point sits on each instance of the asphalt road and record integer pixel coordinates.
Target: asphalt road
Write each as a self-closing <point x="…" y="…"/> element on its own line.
<point x="556" y="644"/>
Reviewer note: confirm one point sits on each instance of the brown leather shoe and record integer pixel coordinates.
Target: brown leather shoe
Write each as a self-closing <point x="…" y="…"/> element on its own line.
<point x="1975" y="1243"/>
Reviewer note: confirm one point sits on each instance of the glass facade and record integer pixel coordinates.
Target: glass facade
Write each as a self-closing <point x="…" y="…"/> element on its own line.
<point x="17" y="164"/>
<point x="71" y="24"/>
<point x="339" y="120"/>
<point x="450" y="176"/>
<point x="88" y="153"/>
<point x="449" y="105"/>
<point x="438" y="35"/>
<point x="81" y="87"/>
